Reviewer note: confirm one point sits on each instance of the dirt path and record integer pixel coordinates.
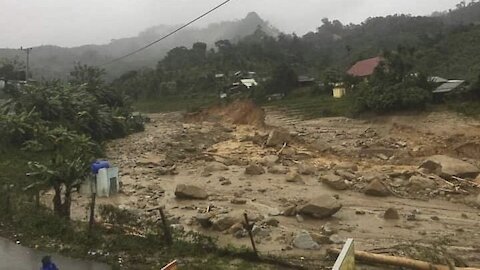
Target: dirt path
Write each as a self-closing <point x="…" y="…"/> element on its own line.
<point x="433" y="224"/>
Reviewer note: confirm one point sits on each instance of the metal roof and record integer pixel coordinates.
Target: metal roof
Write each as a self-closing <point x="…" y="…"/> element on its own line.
<point x="448" y="86"/>
<point x="365" y="67"/>
<point x="437" y="79"/>
<point x="249" y="82"/>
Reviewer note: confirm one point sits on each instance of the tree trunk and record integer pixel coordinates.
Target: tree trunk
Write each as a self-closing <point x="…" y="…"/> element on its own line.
<point x="62" y="208"/>
<point x="57" y="200"/>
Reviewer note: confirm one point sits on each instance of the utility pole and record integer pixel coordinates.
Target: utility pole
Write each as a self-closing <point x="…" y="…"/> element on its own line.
<point x="27" y="69"/>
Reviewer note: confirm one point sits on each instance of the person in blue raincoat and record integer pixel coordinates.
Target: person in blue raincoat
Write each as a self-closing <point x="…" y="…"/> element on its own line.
<point x="47" y="264"/>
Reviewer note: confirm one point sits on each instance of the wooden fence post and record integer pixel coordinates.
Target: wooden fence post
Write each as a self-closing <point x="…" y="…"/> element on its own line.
<point x="91" y="221"/>
<point x="249" y="229"/>
<point x="166" y="228"/>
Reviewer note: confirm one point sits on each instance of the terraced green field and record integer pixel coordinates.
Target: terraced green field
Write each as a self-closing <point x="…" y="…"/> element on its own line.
<point x="309" y="107"/>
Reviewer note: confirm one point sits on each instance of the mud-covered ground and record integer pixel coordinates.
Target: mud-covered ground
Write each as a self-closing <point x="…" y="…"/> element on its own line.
<point x="438" y="216"/>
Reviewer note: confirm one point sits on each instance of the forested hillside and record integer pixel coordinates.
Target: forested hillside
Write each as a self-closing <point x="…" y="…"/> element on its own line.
<point x="53" y="62"/>
<point x="445" y="44"/>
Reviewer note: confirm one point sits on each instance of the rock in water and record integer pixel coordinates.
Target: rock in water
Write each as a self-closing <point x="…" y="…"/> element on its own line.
<point x="446" y="167"/>
<point x="190" y="192"/>
<point x="391" y="213"/>
<point x="303" y="240"/>
<point x="377" y="188"/>
<point x="334" y="181"/>
<point x="321" y="207"/>
<point x="254" y="170"/>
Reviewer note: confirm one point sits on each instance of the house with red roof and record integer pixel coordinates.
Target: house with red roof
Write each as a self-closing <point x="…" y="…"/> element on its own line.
<point x="365" y="68"/>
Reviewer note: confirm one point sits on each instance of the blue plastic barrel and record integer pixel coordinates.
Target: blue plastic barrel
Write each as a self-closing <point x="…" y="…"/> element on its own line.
<point x="99" y="164"/>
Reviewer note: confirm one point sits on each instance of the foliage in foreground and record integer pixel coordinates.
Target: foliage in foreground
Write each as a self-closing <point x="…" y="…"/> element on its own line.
<point x="65" y="124"/>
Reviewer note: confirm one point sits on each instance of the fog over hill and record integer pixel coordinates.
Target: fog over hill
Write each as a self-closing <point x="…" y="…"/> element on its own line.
<point x="56" y="62"/>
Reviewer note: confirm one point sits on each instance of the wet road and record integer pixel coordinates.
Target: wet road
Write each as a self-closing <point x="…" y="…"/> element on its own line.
<point x="15" y="257"/>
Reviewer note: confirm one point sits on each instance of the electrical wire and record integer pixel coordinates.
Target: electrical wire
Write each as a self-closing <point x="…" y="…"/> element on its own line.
<point x="166" y="36"/>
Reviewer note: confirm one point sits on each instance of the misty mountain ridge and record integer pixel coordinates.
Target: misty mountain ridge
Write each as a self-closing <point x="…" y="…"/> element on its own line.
<point x="50" y="61"/>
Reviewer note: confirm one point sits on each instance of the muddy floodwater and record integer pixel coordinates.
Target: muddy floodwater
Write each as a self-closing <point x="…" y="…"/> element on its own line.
<point x="16" y="257"/>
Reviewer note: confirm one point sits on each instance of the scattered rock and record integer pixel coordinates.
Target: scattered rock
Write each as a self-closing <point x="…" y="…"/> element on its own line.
<point x="327" y="229"/>
<point x="254" y="170"/>
<point x="222" y="223"/>
<point x="204" y="220"/>
<point x="306" y="169"/>
<point x="294" y="178"/>
<point x="391" y="213"/>
<point x="190" y="192"/>
<point x="346" y="174"/>
<point x="346" y="166"/>
<point x="334" y="181"/>
<point x="277" y="169"/>
<point x="238" y="201"/>
<point x="277" y="138"/>
<point x="261" y="232"/>
<point x="336" y="239"/>
<point x="321" y="207"/>
<point x="446" y="167"/>
<point x="421" y="183"/>
<point x="290" y="211"/>
<point x="377" y="188"/>
<point x="235" y="228"/>
<point x="303" y="240"/>
<point x="215" y="167"/>
<point x="360" y="212"/>
<point x="269" y="160"/>
<point x="435" y="218"/>
<point x="299" y="218"/>
<point x="289" y="152"/>
<point x="272" y="222"/>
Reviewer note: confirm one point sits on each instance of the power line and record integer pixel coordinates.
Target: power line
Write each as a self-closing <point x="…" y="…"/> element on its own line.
<point x="166" y="36"/>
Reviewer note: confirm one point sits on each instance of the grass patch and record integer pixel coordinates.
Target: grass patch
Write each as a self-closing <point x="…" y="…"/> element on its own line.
<point x="471" y="109"/>
<point x="309" y="107"/>
<point x="172" y="104"/>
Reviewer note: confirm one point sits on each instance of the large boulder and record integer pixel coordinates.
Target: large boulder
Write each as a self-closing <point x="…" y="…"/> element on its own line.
<point x="277" y="138"/>
<point x="222" y="223"/>
<point x="446" y="167"/>
<point x="377" y="188"/>
<point x="215" y="167"/>
<point x="421" y="183"/>
<point x="306" y="169"/>
<point x="269" y="160"/>
<point x="334" y="181"/>
<point x="183" y="191"/>
<point x="278" y="169"/>
<point x="254" y="170"/>
<point x="303" y="240"/>
<point x="321" y="207"/>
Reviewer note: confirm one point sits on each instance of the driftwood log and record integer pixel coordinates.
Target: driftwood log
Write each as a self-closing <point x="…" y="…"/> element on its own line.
<point x="398" y="261"/>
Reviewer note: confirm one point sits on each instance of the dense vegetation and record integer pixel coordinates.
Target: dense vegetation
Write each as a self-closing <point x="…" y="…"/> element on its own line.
<point x="444" y="44"/>
<point x="64" y="124"/>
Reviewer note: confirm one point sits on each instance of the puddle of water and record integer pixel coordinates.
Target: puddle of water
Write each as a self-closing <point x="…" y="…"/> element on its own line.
<point x="16" y="257"/>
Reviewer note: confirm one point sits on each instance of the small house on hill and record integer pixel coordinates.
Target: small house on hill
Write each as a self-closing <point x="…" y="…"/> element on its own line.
<point x="365" y="68"/>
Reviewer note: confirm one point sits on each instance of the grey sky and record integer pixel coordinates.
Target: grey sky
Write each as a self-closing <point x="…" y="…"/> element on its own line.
<point x="78" y="22"/>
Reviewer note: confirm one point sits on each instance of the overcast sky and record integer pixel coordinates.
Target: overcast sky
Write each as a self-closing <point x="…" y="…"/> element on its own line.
<point x="78" y="22"/>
